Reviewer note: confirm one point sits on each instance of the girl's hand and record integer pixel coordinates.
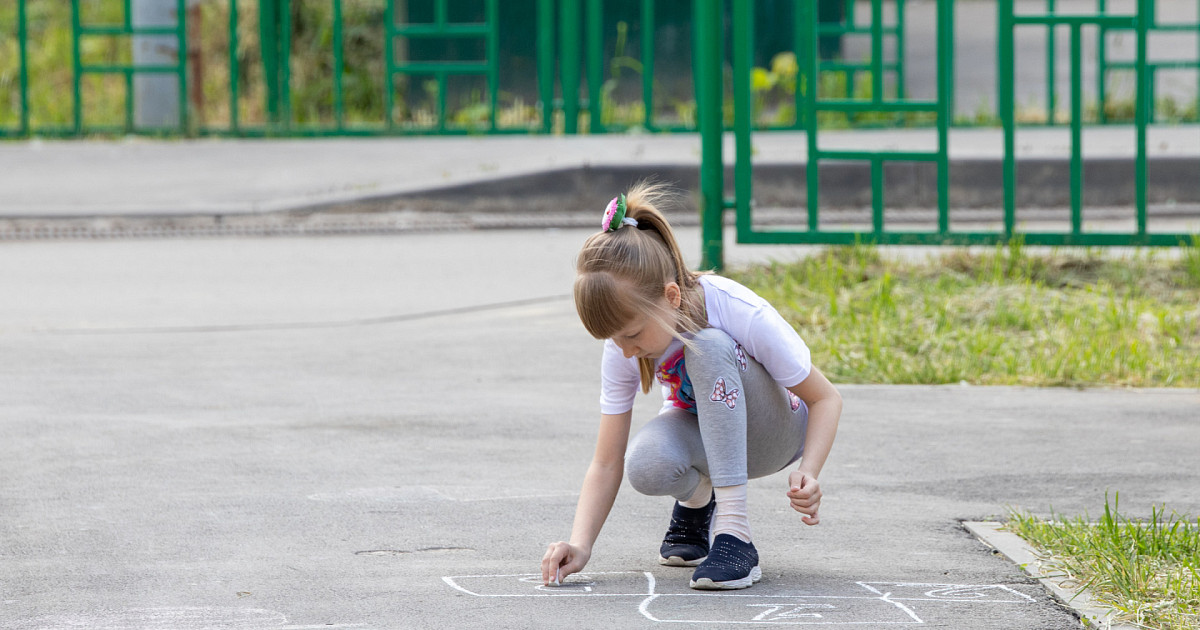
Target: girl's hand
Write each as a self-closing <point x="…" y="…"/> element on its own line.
<point x="563" y="559"/>
<point x="805" y="494"/>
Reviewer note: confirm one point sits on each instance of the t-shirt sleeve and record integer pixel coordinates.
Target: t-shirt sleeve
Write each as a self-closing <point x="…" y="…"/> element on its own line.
<point x="619" y="380"/>
<point x="760" y="329"/>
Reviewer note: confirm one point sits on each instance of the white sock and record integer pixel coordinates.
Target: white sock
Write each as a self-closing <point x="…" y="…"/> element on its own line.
<point x="731" y="515"/>
<point x="701" y="496"/>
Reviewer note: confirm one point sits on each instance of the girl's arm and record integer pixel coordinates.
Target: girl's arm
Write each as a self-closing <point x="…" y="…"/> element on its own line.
<point x="824" y="409"/>
<point x="599" y="491"/>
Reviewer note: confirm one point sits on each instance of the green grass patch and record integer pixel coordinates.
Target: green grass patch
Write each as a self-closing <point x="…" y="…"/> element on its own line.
<point x="1005" y="316"/>
<point x="1146" y="571"/>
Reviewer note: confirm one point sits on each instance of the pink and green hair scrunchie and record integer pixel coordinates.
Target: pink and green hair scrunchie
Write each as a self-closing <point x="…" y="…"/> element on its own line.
<point x="614" y="215"/>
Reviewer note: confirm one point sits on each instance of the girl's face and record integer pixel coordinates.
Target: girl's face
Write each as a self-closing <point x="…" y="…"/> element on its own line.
<point x="646" y="337"/>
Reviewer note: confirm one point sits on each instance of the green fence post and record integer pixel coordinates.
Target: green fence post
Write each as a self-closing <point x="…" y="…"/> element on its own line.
<point x="22" y="51"/>
<point x="569" y="60"/>
<point x="877" y="196"/>
<point x="1145" y="13"/>
<point x="76" y="63"/>
<point x="799" y="39"/>
<point x="743" y="112"/>
<point x="900" y="56"/>
<point x="1005" y="77"/>
<point x="1051" y="54"/>
<point x="709" y="96"/>
<point x="493" y="60"/>
<point x="339" y="104"/>
<point x="811" y="75"/>
<point x="268" y="29"/>
<point x="1102" y="65"/>
<point x="1076" y="129"/>
<point x="234" y="70"/>
<point x="127" y="71"/>
<point x="945" y="54"/>
<point x="876" y="52"/>
<point x="545" y="63"/>
<point x="648" y="29"/>
<point x="595" y="65"/>
<point x="182" y="47"/>
<point x="389" y="65"/>
<point x="284" y="61"/>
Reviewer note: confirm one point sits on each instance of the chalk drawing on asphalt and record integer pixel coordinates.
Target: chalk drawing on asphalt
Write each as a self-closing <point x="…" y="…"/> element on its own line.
<point x="865" y="602"/>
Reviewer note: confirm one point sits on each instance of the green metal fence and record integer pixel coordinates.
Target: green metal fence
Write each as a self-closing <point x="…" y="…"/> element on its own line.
<point x="262" y="67"/>
<point x="1107" y="67"/>
<point x="1138" y="24"/>
<point x="240" y="81"/>
<point x="712" y="175"/>
<point x="248" y="74"/>
<point x="715" y="202"/>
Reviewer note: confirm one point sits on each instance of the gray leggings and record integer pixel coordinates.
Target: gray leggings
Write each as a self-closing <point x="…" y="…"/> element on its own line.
<point x="751" y="431"/>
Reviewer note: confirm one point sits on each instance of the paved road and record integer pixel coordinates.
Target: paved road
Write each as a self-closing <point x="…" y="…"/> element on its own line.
<point x="313" y="433"/>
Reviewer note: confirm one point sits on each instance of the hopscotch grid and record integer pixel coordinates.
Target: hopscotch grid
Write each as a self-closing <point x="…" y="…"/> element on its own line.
<point x="956" y="587"/>
<point x="650" y="596"/>
<point x="915" y="620"/>
<point x="451" y="580"/>
<point x="901" y="607"/>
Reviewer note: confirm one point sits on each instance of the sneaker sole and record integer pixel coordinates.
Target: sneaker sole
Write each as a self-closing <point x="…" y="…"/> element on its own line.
<point x="676" y="561"/>
<point x="706" y="584"/>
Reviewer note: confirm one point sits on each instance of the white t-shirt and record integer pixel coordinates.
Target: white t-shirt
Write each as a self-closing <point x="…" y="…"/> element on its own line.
<point x="744" y="316"/>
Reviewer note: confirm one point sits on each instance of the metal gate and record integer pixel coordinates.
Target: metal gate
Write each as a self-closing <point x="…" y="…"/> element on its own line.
<point x="710" y="99"/>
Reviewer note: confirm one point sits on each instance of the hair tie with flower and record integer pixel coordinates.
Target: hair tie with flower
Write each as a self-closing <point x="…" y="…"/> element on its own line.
<point x="614" y="215"/>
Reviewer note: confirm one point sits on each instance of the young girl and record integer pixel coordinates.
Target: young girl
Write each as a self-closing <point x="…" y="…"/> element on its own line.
<point x="742" y="399"/>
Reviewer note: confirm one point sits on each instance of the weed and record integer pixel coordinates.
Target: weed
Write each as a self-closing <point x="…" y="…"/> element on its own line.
<point x="1147" y="571"/>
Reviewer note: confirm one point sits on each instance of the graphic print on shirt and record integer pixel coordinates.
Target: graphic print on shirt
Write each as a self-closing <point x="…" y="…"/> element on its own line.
<point x="795" y="400"/>
<point x="741" y="356"/>
<point x="673" y="374"/>
<point x="720" y="396"/>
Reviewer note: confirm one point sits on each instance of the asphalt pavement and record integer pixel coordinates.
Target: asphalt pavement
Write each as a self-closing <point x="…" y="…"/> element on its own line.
<point x="386" y="431"/>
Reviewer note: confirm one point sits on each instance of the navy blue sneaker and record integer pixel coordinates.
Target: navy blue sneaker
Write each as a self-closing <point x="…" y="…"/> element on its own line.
<point x="730" y="565"/>
<point x="686" y="542"/>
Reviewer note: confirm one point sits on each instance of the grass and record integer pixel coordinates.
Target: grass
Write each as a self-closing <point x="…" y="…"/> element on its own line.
<point x="1146" y="571"/>
<point x="1005" y="316"/>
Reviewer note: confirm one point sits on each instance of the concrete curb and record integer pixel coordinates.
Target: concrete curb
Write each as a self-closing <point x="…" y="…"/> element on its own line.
<point x="974" y="183"/>
<point x="1013" y="547"/>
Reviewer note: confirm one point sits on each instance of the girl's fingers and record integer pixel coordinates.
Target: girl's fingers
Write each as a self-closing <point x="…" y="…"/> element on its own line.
<point x="551" y="561"/>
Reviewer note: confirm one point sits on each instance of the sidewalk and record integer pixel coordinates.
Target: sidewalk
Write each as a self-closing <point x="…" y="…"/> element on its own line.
<point x="390" y="184"/>
<point x="386" y="431"/>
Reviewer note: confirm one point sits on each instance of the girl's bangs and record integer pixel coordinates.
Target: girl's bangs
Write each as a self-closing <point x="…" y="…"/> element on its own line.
<point x="602" y="305"/>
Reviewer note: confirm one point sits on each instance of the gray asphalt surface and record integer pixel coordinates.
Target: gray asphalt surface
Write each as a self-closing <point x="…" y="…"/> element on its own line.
<point x="385" y="432"/>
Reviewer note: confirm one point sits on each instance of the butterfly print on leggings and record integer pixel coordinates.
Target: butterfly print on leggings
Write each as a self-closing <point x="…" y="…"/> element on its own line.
<point x="719" y="395"/>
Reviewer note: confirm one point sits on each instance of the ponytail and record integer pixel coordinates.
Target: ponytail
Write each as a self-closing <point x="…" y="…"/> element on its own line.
<point x="622" y="272"/>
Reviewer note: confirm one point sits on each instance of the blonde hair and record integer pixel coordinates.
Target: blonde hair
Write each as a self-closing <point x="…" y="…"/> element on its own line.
<point x="622" y="274"/>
